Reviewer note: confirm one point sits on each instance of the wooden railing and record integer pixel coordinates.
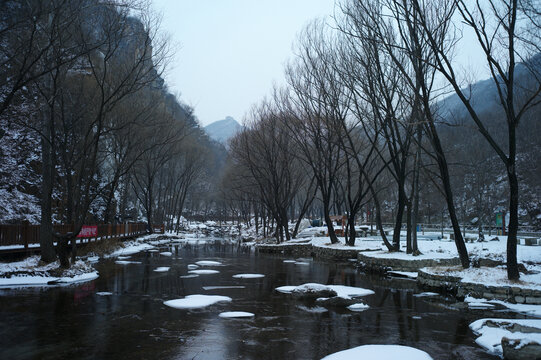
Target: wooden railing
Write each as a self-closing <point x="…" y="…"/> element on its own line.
<point x="25" y="237"/>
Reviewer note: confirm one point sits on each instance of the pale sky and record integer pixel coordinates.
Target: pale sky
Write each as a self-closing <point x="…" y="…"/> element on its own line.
<point x="229" y="52"/>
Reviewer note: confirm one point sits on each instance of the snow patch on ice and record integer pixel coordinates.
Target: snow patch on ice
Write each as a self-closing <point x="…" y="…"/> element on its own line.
<point x="236" y="314"/>
<point x="248" y="276"/>
<point x="131" y="248"/>
<point x="196" y="301"/>
<point x="380" y="352"/>
<point x="358" y="307"/>
<point x="203" y="272"/>
<point x="162" y="269"/>
<point x="208" y="263"/>
<point x="345" y="292"/>
<point x="191" y="276"/>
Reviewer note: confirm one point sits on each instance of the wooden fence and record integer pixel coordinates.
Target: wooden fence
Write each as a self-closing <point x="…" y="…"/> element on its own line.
<point x="25" y="237"/>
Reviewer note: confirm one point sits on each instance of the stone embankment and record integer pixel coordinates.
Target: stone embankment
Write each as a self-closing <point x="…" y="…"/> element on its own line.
<point x="455" y="286"/>
<point x="382" y="265"/>
<point x="307" y="249"/>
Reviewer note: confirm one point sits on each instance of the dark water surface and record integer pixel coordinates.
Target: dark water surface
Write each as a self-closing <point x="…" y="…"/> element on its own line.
<point x="75" y="323"/>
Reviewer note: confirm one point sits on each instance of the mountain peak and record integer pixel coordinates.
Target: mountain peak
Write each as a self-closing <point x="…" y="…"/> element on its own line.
<point x="223" y="130"/>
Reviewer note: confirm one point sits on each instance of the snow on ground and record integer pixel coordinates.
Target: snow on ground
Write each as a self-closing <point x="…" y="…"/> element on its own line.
<point x="196" y="301"/>
<point x="236" y="314"/>
<point x="490" y="276"/>
<point x="248" y="276"/>
<point x="29" y="272"/>
<point x="162" y="269"/>
<point x="380" y="352"/>
<point x="526" y="309"/>
<point x="46" y="280"/>
<point x="345" y="292"/>
<point x="203" y="272"/>
<point x="430" y="245"/>
<point x="208" y="263"/>
<point x="358" y="307"/>
<point x="491" y="332"/>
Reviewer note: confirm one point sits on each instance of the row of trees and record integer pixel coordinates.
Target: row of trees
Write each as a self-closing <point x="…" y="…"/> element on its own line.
<point x="364" y="112"/>
<point x="81" y="82"/>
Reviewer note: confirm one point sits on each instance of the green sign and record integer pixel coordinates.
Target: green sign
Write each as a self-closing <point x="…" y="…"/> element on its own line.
<point x="499" y="219"/>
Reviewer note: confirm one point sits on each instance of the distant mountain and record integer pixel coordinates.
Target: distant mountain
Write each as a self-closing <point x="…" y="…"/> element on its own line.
<point x="484" y="94"/>
<point x="223" y="130"/>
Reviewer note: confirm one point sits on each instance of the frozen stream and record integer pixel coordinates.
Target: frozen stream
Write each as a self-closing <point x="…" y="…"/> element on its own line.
<point x="128" y="319"/>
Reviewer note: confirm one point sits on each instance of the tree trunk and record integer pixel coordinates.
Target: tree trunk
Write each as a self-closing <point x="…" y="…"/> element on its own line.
<point x="399" y="215"/>
<point x="328" y="221"/>
<point x="512" y="265"/>
<point x="47" y="170"/>
<point x="409" y="248"/>
<point x="444" y="172"/>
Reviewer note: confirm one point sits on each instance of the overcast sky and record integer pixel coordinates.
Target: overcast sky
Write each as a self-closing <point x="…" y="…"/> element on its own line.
<point x="229" y="52"/>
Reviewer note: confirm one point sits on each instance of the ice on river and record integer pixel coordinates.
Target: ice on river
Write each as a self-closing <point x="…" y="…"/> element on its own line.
<point x="104" y="293"/>
<point x="127" y="262"/>
<point x="380" y="352"/>
<point x="289" y="261"/>
<point x="162" y="269"/>
<point x="236" y="314"/>
<point x="196" y="301"/>
<point x="208" y="263"/>
<point x="203" y="272"/>
<point x="192" y="266"/>
<point x="248" y="276"/>
<point x="166" y="253"/>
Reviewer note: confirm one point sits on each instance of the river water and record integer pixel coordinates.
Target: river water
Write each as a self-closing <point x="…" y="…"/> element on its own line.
<point x="74" y="322"/>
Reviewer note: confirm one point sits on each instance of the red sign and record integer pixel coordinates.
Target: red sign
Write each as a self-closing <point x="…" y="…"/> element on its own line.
<point x="88" y="231"/>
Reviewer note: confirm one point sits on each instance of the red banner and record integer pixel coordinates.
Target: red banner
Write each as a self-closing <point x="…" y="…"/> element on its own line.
<point x="88" y="231"/>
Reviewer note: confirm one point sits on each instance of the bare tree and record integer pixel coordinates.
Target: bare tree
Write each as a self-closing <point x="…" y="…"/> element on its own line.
<point x="507" y="32"/>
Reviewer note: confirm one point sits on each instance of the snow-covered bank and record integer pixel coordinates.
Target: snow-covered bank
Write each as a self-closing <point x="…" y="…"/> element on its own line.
<point x="515" y="333"/>
<point x="29" y="272"/>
